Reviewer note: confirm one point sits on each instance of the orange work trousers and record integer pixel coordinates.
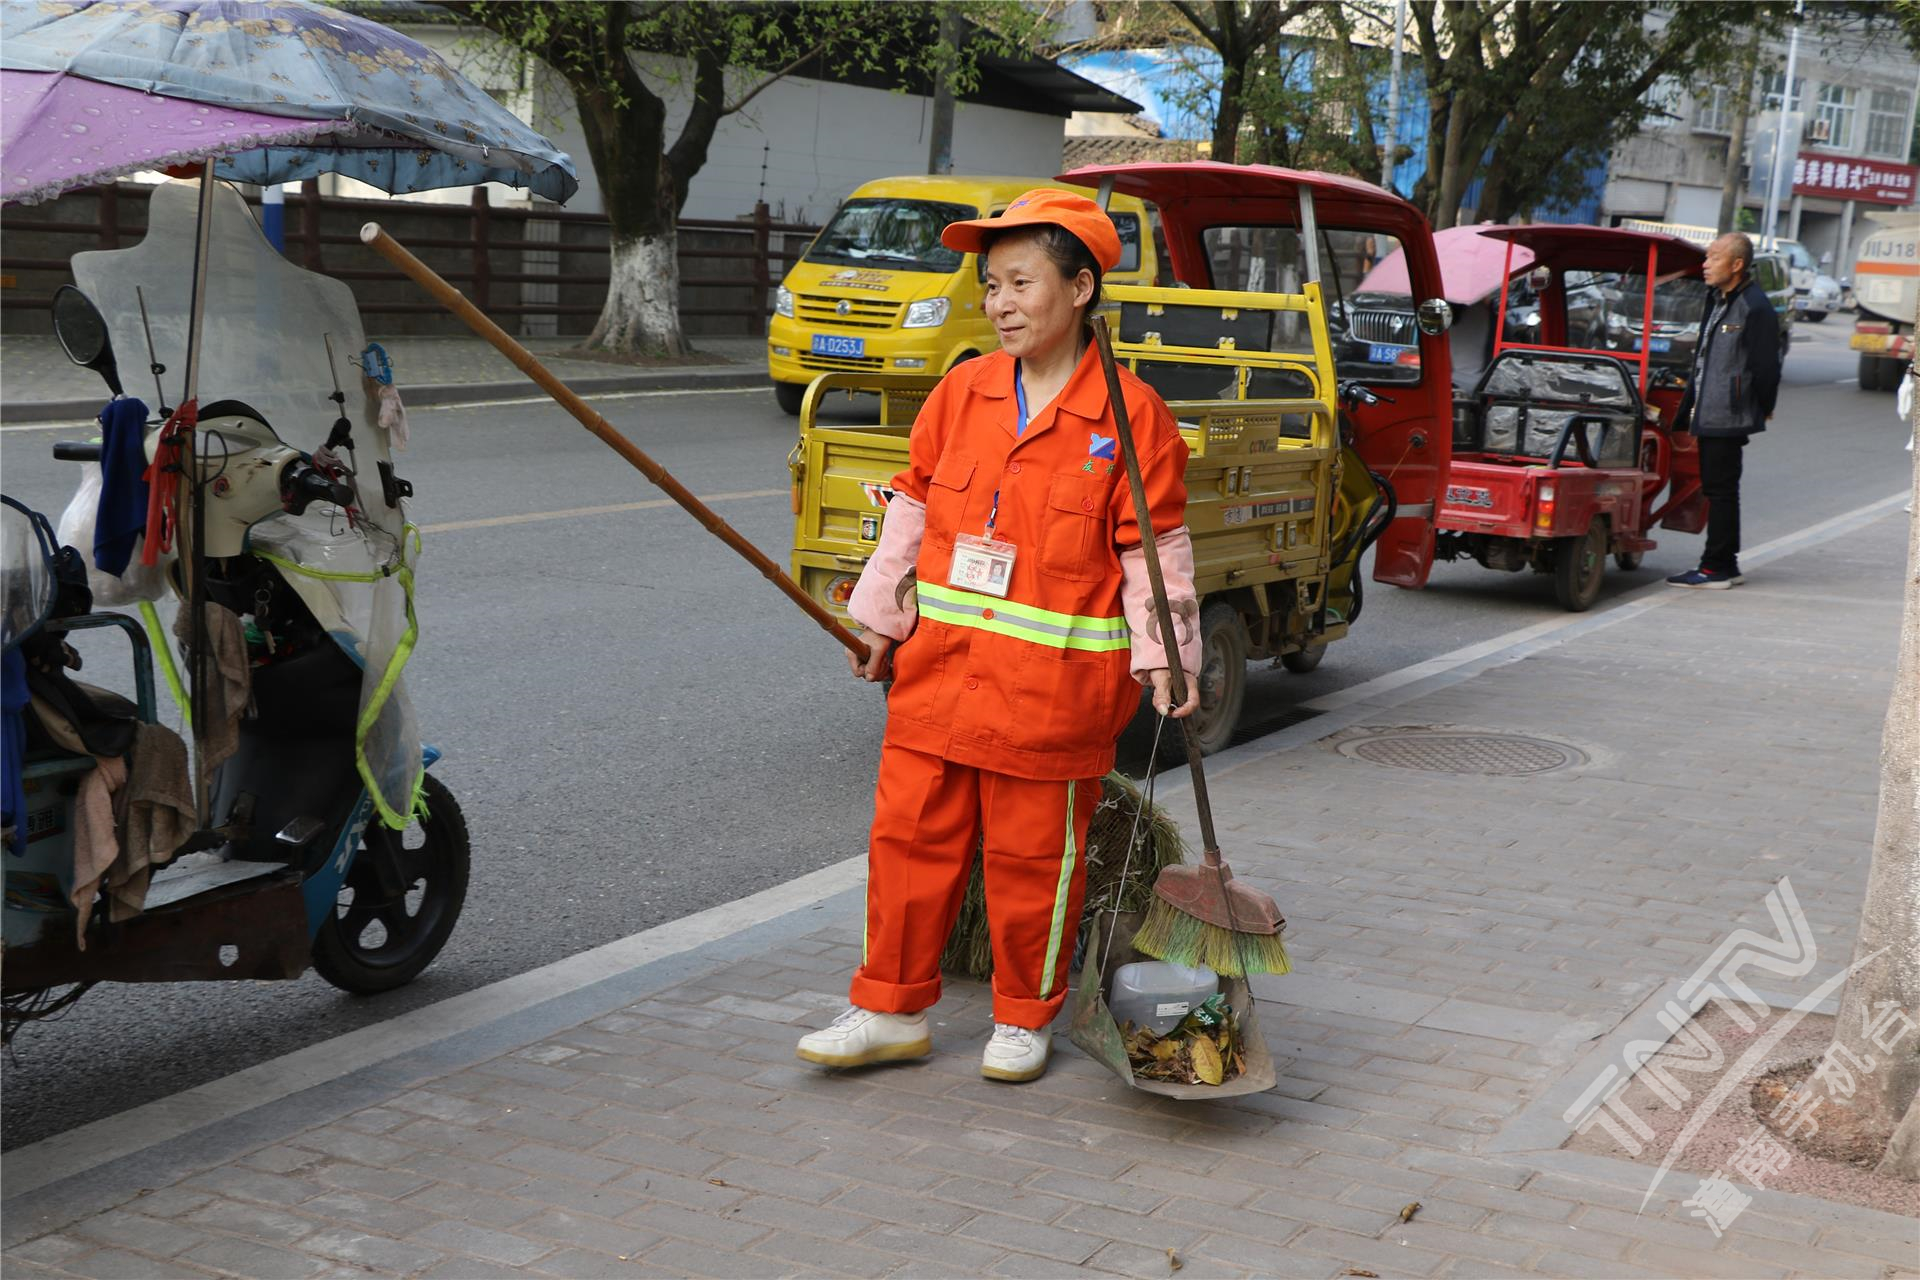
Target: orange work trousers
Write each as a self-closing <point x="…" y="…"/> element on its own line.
<point x="928" y="816"/>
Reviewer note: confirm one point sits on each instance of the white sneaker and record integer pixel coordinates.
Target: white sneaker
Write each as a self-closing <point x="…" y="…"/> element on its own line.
<point x="860" y="1036"/>
<point x="1016" y="1053"/>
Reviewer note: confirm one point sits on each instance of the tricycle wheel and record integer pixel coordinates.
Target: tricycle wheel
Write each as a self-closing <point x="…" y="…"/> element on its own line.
<point x="376" y="940"/>
<point x="1578" y="566"/>
<point x="1301" y="661"/>
<point x="1628" y="560"/>
<point x="1223" y="680"/>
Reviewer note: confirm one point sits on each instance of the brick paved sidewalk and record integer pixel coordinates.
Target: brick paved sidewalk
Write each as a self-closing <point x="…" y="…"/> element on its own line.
<point x="1468" y="950"/>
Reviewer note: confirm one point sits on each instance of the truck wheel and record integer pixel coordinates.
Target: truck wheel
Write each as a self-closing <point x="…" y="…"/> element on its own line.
<point x="1628" y="560"/>
<point x="373" y="943"/>
<point x="1301" y="661"/>
<point x="1223" y="677"/>
<point x="788" y="396"/>
<point x="1813" y="317"/>
<point x="1870" y="373"/>
<point x="1578" y="566"/>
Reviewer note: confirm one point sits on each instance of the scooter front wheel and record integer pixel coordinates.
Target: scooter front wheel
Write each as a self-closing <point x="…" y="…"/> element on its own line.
<point x="390" y="922"/>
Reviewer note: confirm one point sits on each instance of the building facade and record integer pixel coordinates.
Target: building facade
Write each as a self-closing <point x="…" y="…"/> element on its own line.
<point x="1856" y="97"/>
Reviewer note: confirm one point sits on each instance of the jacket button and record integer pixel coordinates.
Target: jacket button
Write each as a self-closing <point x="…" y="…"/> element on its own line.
<point x="973" y="684"/>
<point x="1086" y="504"/>
<point x="987" y="614"/>
<point x="1014" y="468"/>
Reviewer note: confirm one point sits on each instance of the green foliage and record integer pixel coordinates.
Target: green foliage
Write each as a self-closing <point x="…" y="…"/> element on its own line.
<point x="756" y="43"/>
<point x="1542" y="90"/>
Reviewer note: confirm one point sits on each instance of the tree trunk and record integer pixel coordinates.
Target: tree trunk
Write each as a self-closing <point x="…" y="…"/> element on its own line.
<point x="1453" y="170"/>
<point x="1890" y="916"/>
<point x="642" y="310"/>
<point x="1226" y="125"/>
<point x="625" y="136"/>
<point x="1737" y="143"/>
<point x="1903" y="1153"/>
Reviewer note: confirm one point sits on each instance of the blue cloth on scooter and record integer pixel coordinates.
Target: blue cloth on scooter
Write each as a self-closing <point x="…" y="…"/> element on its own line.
<point x="13" y="701"/>
<point x="122" y="517"/>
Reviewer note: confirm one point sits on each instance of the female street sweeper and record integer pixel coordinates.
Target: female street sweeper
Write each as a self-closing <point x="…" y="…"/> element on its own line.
<point x="1009" y="601"/>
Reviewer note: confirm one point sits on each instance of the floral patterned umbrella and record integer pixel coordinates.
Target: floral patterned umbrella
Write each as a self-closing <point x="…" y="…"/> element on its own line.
<point x="58" y="132"/>
<point x="352" y="97"/>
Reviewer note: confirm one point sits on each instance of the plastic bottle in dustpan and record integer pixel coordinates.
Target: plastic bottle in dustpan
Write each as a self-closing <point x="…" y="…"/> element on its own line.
<point x="1156" y="995"/>
<point x="1096" y="1029"/>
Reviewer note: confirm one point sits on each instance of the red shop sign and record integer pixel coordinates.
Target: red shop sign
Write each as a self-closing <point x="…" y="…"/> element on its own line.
<point x="1852" y="178"/>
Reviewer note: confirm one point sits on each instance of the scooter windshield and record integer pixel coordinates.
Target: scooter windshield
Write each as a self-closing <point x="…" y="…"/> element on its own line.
<point x="268" y="323"/>
<point x="279" y="339"/>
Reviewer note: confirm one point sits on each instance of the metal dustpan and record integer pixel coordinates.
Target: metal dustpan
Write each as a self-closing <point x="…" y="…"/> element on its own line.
<point x="1095" y="1031"/>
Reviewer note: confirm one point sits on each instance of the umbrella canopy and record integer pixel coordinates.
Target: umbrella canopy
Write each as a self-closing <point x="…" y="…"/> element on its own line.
<point x="406" y="121"/>
<point x="58" y="132"/>
<point x="1471" y="263"/>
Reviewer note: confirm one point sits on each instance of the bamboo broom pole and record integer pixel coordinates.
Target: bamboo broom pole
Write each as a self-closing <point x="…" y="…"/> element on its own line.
<point x="453" y="300"/>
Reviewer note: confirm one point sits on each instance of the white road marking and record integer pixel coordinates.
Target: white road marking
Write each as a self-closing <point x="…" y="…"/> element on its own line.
<point x="535" y="517"/>
<point x="437" y="408"/>
<point x="590" y="398"/>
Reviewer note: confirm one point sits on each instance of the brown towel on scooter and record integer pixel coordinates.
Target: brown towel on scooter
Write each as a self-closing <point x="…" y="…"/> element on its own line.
<point x="157" y="816"/>
<point x="229" y="682"/>
<point x="130" y="816"/>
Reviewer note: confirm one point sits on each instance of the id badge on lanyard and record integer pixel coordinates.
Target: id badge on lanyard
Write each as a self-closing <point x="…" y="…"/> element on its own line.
<point x="985" y="564"/>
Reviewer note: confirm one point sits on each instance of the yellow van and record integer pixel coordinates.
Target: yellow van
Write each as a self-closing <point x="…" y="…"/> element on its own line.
<point x="877" y="292"/>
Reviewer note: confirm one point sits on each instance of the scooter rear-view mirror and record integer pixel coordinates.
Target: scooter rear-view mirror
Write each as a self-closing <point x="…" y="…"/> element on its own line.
<point x="83" y="335"/>
<point x="1434" y="317"/>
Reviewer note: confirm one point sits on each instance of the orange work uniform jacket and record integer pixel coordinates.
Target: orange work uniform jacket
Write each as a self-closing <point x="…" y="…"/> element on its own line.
<point x="1035" y="684"/>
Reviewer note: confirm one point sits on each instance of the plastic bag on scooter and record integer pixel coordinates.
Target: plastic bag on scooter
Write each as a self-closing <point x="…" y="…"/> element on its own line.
<point x="139" y="582"/>
<point x="359" y="582"/>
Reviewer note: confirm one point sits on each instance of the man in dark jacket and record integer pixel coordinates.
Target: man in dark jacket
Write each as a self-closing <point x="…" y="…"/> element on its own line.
<point x="1736" y="378"/>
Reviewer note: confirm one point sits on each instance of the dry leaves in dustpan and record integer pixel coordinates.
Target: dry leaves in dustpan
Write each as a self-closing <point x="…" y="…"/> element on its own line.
<point x="1203" y="1049"/>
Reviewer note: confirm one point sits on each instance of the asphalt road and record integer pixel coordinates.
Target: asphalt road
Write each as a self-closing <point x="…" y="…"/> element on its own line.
<point x="638" y="727"/>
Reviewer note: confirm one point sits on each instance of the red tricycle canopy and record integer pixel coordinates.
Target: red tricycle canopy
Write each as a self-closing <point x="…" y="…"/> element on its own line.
<point x="1575" y="248"/>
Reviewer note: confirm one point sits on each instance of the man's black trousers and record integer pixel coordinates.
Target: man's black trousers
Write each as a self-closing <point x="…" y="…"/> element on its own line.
<point x="1720" y="459"/>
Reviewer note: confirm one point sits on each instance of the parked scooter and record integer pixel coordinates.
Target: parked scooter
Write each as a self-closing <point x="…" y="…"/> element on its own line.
<point x="322" y="837"/>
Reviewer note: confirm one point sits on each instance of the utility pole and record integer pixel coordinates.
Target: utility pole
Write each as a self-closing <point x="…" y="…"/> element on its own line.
<point x="1787" y="114"/>
<point x="940" y="144"/>
<point x="1393" y="96"/>
<point x="1737" y="143"/>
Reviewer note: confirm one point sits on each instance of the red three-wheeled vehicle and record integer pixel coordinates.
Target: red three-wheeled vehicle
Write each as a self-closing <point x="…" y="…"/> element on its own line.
<point x="1564" y="448"/>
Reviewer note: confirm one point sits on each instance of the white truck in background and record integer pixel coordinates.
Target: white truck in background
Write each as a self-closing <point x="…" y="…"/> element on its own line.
<point x="1886" y="285"/>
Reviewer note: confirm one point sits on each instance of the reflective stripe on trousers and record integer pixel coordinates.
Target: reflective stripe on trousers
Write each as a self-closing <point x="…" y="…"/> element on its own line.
<point x="929" y="817"/>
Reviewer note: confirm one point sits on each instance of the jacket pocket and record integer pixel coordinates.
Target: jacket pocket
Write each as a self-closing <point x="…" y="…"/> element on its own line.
<point x="1073" y="542"/>
<point x="947" y="495"/>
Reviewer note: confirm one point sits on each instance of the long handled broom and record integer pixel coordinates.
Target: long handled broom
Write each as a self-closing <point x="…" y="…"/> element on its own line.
<point x="453" y="300"/>
<point x="1200" y="914"/>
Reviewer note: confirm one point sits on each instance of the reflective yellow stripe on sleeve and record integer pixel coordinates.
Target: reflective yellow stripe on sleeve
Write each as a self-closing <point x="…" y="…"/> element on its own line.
<point x="1021" y="621"/>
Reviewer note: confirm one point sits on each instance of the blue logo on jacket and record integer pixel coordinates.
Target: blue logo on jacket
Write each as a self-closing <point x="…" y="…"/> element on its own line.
<point x="1099" y="446"/>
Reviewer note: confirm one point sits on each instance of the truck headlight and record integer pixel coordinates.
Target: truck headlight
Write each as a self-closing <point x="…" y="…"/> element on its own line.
<point x="783" y="302"/>
<point x="928" y="313"/>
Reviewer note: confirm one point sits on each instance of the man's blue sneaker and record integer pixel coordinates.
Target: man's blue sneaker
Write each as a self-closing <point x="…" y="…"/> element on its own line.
<point x="1705" y="580"/>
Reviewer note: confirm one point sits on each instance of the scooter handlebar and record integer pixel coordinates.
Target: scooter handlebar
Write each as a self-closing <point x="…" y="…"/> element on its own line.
<point x="76" y="451"/>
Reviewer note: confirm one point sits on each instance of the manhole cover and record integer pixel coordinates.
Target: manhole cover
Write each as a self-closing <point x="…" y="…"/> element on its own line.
<point x="1443" y="751"/>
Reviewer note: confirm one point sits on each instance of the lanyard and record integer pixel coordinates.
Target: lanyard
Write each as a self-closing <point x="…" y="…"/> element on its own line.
<point x="1019" y="429"/>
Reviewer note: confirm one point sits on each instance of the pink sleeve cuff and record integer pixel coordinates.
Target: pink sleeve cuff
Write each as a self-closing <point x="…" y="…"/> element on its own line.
<point x="883" y="600"/>
<point x="1136" y="598"/>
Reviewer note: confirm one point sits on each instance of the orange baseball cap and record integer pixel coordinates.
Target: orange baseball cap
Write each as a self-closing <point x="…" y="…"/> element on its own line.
<point x="1044" y="206"/>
